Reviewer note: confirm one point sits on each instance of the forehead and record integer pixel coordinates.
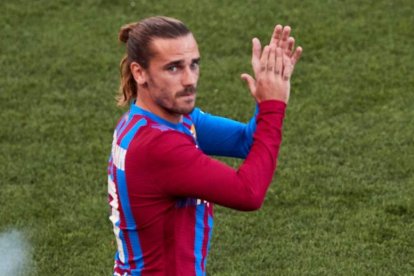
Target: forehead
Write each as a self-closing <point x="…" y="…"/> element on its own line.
<point x="173" y="49"/>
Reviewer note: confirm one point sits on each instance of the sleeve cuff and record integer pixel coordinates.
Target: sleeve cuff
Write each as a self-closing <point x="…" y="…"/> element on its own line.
<point x="272" y="106"/>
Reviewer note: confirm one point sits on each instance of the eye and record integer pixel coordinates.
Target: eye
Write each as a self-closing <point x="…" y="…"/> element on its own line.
<point x="172" y="68"/>
<point x="194" y="65"/>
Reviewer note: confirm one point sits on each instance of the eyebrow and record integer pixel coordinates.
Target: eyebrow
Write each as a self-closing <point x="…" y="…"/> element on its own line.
<point x="180" y="62"/>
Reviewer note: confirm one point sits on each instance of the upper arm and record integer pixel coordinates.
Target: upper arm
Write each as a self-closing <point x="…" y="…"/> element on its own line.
<point x="221" y="136"/>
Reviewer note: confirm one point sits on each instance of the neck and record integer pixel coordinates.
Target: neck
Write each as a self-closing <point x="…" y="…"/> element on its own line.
<point x="152" y="107"/>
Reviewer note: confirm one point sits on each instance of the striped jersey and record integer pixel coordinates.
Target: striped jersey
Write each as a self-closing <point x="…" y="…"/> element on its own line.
<point x="162" y="184"/>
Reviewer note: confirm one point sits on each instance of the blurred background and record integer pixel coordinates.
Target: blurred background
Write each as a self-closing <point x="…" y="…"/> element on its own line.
<point x="341" y="202"/>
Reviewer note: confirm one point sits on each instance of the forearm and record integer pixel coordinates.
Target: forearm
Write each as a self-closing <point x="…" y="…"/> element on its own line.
<point x="257" y="170"/>
<point x="247" y="187"/>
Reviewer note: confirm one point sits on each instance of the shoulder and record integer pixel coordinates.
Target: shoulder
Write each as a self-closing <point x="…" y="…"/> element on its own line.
<point x="154" y="137"/>
<point x="157" y="146"/>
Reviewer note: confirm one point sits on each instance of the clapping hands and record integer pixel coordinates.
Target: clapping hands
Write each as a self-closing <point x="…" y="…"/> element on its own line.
<point x="273" y="66"/>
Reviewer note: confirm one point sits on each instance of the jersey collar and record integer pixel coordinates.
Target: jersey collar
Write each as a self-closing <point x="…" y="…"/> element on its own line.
<point x="136" y="110"/>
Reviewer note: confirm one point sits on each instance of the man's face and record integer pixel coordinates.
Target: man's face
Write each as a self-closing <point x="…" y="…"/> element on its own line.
<point x="173" y="74"/>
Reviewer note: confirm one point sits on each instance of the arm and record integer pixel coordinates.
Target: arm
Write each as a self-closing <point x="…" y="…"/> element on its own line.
<point x="186" y="172"/>
<point x="221" y="136"/>
<point x="225" y="137"/>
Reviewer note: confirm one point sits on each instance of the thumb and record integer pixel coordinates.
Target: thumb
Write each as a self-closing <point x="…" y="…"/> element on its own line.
<point x="251" y="83"/>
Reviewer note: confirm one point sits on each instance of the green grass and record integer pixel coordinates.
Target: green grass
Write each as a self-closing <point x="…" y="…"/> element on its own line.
<point x="342" y="198"/>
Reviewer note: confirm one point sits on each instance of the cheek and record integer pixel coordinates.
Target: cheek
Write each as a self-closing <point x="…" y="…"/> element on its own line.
<point x="169" y="83"/>
<point x="164" y="87"/>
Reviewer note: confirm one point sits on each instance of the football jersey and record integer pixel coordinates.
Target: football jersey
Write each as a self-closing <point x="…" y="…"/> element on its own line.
<point x="162" y="184"/>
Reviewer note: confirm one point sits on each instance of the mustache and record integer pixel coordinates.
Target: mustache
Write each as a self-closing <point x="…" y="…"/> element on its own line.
<point x="190" y="90"/>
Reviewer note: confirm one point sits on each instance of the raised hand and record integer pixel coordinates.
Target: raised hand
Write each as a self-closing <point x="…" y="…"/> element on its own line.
<point x="270" y="84"/>
<point x="281" y="55"/>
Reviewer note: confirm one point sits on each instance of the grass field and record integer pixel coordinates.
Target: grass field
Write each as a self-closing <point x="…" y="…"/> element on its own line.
<point x="342" y="200"/>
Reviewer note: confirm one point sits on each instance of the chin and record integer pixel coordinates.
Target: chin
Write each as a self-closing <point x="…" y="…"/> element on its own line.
<point x="188" y="110"/>
<point x="191" y="110"/>
<point x="181" y="110"/>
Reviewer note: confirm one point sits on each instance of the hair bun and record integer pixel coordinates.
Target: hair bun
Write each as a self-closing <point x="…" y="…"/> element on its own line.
<point x="124" y="32"/>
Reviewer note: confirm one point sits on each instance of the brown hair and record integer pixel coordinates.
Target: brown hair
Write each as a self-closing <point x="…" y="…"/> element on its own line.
<point x="137" y="37"/>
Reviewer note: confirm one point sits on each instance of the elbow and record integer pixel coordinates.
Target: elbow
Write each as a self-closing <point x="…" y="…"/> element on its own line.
<point x="251" y="195"/>
<point x="253" y="202"/>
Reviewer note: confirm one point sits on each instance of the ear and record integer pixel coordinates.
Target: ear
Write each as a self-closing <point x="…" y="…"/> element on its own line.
<point x="139" y="73"/>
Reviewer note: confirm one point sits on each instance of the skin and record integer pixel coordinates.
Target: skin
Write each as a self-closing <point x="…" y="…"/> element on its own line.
<point x="282" y="56"/>
<point x="168" y="86"/>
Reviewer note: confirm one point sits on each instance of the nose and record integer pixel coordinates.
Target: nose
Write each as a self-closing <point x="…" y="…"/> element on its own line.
<point x="189" y="77"/>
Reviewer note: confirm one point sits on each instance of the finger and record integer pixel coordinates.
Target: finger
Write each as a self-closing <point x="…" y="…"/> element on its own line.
<point x="264" y="58"/>
<point x="251" y="83"/>
<point x="272" y="59"/>
<point x="296" y="55"/>
<point x="290" y="47"/>
<point x="287" y="68"/>
<point x="277" y="34"/>
<point x="279" y="61"/>
<point x="289" y="63"/>
<point x="285" y="35"/>
<point x="256" y="50"/>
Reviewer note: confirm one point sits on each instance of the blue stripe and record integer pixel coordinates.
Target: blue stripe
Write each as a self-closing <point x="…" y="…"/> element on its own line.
<point x="124" y="199"/>
<point x="187" y="121"/>
<point x="210" y="225"/>
<point x="131" y="133"/>
<point x="199" y="236"/>
<point x="129" y="220"/>
<point x="131" y="227"/>
<point x="119" y="130"/>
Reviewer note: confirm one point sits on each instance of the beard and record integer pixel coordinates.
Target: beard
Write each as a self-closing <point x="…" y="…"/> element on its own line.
<point x="178" y="104"/>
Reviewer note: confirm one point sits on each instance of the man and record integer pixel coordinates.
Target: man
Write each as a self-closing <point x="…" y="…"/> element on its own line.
<point x="162" y="183"/>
